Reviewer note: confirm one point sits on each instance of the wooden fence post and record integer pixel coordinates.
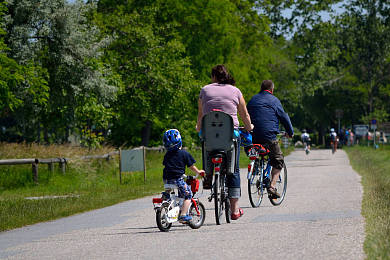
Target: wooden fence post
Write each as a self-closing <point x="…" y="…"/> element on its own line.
<point x="63" y="165"/>
<point x="50" y="167"/>
<point x="35" y="171"/>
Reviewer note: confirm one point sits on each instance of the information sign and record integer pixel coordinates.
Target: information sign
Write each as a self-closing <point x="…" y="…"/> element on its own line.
<point x="360" y="130"/>
<point x="132" y="161"/>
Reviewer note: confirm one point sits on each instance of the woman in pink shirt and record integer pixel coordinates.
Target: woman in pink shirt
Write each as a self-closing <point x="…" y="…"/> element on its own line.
<point x="222" y="95"/>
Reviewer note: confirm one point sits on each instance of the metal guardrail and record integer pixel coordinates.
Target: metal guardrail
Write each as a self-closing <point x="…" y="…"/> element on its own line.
<point x="51" y="161"/>
<point x="63" y="161"/>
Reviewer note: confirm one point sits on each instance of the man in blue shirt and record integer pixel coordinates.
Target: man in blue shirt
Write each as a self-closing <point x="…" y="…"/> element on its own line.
<point x="266" y="111"/>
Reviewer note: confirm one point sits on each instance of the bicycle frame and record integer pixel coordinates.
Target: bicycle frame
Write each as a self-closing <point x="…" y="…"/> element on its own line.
<point x="264" y="166"/>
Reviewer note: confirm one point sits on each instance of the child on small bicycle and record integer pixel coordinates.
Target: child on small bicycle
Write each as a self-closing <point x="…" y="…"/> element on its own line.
<point x="175" y="162"/>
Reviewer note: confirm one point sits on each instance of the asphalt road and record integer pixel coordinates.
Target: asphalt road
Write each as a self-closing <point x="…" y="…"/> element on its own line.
<point x="319" y="218"/>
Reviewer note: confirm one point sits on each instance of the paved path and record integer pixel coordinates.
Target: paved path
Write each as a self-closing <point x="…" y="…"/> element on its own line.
<point x="320" y="218"/>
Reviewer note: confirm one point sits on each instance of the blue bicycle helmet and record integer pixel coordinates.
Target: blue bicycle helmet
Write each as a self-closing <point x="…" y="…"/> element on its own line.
<point x="172" y="140"/>
<point x="246" y="138"/>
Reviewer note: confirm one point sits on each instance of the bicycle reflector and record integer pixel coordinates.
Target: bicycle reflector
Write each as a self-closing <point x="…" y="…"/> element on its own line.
<point x="157" y="200"/>
<point x="217" y="160"/>
<point x="249" y="167"/>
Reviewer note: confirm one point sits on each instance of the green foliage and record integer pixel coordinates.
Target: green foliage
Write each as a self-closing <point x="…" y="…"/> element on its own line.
<point x="59" y="38"/>
<point x="20" y="85"/>
<point x="134" y="68"/>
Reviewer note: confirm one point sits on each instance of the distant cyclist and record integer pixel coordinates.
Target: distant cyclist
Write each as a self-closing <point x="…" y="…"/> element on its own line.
<point x="306" y="140"/>
<point x="333" y="140"/>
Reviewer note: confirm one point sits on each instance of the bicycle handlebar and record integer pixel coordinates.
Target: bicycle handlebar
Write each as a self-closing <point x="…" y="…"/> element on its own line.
<point x="281" y="133"/>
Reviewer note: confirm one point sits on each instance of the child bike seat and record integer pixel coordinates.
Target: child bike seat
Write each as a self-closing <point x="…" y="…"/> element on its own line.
<point x="218" y="131"/>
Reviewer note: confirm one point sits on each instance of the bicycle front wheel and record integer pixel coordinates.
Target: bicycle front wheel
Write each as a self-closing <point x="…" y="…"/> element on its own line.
<point x="197" y="219"/>
<point x="255" y="187"/>
<point x="281" y="187"/>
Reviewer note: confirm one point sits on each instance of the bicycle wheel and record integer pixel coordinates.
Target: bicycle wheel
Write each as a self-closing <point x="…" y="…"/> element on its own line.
<point x="255" y="187"/>
<point x="281" y="186"/>
<point x="217" y="200"/>
<point x="197" y="219"/>
<point x="225" y="200"/>
<point x="161" y="219"/>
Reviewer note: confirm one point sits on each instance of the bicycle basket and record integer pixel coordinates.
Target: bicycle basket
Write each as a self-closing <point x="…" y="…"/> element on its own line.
<point x="194" y="183"/>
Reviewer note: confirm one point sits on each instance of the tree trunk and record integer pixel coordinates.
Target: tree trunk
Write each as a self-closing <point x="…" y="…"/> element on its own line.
<point x="145" y="133"/>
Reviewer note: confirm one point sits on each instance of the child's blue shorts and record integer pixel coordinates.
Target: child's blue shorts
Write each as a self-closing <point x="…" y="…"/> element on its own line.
<point x="183" y="187"/>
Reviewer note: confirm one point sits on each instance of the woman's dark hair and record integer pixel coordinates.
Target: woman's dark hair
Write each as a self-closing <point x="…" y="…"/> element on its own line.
<point x="221" y="75"/>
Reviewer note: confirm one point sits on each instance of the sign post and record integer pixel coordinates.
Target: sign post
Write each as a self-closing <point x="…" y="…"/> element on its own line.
<point x="339" y="115"/>
<point x="373" y="127"/>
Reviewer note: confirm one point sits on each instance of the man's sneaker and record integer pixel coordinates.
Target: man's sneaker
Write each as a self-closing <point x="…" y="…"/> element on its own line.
<point x="208" y="178"/>
<point x="185" y="219"/>
<point x="273" y="193"/>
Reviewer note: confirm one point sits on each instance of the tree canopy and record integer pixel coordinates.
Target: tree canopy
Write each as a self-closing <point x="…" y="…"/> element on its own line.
<point x="123" y="71"/>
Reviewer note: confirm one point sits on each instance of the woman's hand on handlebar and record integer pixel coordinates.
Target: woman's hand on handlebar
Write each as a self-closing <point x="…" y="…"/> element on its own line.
<point x="242" y="128"/>
<point x="249" y="128"/>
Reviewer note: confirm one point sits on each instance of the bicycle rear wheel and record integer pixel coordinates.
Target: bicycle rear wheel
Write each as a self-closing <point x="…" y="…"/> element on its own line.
<point x="161" y="219"/>
<point x="281" y="186"/>
<point x="255" y="187"/>
<point x="218" y="205"/>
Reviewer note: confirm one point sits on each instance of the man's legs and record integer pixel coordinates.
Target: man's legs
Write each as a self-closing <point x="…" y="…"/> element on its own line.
<point x="277" y="162"/>
<point x="275" y="176"/>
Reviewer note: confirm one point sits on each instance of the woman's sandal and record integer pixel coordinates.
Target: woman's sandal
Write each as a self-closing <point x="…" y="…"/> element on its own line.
<point x="236" y="216"/>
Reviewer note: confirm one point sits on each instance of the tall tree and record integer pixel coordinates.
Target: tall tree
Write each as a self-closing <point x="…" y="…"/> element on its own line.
<point x="157" y="78"/>
<point x="58" y="36"/>
<point x="23" y="87"/>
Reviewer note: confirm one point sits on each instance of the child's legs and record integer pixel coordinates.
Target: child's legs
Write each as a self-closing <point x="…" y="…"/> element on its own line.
<point x="184" y="192"/>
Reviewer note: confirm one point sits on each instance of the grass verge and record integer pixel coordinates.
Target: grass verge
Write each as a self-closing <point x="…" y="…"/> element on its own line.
<point x="86" y="185"/>
<point x="374" y="167"/>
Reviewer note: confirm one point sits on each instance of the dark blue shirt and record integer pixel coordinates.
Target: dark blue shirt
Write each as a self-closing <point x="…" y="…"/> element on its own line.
<point x="175" y="163"/>
<point x="266" y="111"/>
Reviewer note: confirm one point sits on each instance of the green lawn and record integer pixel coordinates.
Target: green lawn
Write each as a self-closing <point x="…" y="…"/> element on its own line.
<point x="374" y="167"/>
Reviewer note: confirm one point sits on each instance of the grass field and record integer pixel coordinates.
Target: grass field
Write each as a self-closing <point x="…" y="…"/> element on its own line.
<point x="86" y="185"/>
<point x="374" y="167"/>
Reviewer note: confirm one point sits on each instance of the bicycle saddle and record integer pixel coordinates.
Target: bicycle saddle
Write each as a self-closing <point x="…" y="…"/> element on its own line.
<point x="170" y="186"/>
<point x="260" y="149"/>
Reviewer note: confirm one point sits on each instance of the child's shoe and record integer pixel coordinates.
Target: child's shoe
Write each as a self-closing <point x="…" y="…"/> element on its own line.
<point x="185" y="219"/>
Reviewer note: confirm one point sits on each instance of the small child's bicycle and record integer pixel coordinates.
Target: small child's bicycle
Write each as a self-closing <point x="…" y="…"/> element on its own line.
<point x="167" y="207"/>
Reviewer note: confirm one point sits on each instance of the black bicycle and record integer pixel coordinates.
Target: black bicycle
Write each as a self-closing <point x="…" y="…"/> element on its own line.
<point x="219" y="148"/>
